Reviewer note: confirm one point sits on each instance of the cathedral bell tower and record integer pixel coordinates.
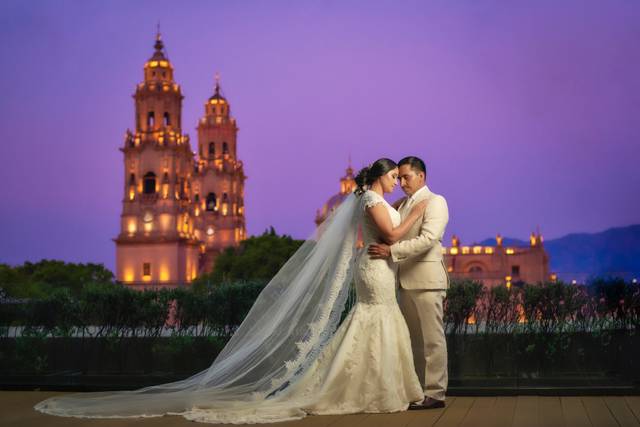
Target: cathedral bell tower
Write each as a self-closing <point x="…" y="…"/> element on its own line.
<point x="157" y="244"/>
<point x="219" y="182"/>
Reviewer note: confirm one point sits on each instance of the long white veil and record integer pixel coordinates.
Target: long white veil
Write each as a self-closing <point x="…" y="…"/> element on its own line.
<point x="291" y="321"/>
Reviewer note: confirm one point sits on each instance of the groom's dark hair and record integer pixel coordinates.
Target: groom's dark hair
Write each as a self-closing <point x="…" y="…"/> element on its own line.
<point x="415" y="163"/>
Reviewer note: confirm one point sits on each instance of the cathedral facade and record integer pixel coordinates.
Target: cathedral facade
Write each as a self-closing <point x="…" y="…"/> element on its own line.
<point x="499" y="264"/>
<point x="180" y="208"/>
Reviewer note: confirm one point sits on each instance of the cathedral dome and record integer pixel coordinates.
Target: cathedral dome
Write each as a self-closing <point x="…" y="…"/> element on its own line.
<point x="158" y="71"/>
<point x="347" y="185"/>
<point x="159" y="56"/>
<point x="217" y="95"/>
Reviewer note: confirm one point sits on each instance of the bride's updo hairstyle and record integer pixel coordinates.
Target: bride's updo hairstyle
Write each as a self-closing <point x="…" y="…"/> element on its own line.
<point x="369" y="174"/>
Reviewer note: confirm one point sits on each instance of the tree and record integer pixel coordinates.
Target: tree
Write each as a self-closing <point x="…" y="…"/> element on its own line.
<point x="36" y="280"/>
<point x="257" y="258"/>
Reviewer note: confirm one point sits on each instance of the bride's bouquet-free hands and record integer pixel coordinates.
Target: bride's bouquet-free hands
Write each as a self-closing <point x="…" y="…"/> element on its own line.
<point x="382" y="249"/>
<point x="419" y="208"/>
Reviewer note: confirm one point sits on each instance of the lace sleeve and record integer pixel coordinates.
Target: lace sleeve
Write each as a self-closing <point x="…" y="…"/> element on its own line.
<point x="371" y="198"/>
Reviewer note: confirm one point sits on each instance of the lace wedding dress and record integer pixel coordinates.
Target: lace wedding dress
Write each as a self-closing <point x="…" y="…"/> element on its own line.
<point x="287" y="359"/>
<point x="368" y="365"/>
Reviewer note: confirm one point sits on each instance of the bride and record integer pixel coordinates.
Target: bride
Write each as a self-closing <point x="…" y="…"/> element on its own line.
<point x="289" y="358"/>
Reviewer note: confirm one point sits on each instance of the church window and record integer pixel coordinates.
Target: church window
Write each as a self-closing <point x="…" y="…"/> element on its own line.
<point x="515" y="270"/>
<point x="150" y="119"/>
<point x="149" y="183"/>
<point x="212" y="148"/>
<point x="475" y="269"/>
<point x="225" y="204"/>
<point x="182" y="187"/>
<point x="211" y="201"/>
<point x="167" y="122"/>
<point x="225" y="148"/>
<point x="132" y="179"/>
<point x="146" y="269"/>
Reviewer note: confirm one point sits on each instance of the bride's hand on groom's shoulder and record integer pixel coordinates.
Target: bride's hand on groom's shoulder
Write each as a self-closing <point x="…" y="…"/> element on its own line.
<point x="419" y="207"/>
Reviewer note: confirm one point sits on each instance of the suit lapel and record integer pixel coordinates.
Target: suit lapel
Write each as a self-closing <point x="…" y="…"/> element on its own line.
<point x="407" y="204"/>
<point x="405" y="207"/>
<point x="424" y="194"/>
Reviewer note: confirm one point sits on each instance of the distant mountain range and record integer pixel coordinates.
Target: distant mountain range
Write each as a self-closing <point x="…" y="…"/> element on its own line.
<point x="613" y="252"/>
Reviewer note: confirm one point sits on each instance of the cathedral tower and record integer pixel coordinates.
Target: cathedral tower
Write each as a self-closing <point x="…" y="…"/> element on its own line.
<point x="347" y="186"/>
<point x="219" y="181"/>
<point x="157" y="241"/>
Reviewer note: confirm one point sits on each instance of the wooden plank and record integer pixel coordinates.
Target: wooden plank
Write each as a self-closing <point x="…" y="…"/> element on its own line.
<point x="598" y="412"/>
<point x="634" y="405"/>
<point x="394" y="419"/>
<point x="17" y="410"/>
<point x="589" y="411"/>
<point x="504" y="411"/>
<point x="621" y="412"/>
<point x="454" y="413"/>
<point x="574" y="412"/>
<point x="550" y="409"/>
<point x="23" y="414"/>
<point x="428" y="417"/>
<point x="351" y="420"/>
<point x="165" y="421"/>
<point x="527" y="412"/>
<point x="312" y="421"/>
<point x="481" y="413"/>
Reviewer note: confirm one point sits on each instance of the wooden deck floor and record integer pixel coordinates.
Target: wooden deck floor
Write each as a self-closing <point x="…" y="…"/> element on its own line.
<point x="517" y="411"/>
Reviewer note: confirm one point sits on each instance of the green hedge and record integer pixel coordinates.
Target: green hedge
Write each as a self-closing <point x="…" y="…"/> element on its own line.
<point x="112" y="328"/>
<point x="105" y="310"/>
<point x="117" y="311"/>
<point x="544" y="308"/>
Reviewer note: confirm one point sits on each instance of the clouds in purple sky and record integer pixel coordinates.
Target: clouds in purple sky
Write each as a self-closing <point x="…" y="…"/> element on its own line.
<point x="526" y="113"/>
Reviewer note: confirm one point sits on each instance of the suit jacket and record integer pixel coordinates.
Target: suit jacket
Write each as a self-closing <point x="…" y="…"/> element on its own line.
<point x="419" y="253"/>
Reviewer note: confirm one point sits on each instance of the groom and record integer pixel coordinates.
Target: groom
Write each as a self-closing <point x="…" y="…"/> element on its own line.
<point x="423" y="280"/>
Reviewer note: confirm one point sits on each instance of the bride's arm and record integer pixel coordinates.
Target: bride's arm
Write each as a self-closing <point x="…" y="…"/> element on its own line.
<point x="431" y="232"/>
<point x="380" y="216"/>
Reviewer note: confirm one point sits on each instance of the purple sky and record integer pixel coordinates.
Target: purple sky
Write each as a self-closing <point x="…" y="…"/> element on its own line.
<point x="525" y="113"/>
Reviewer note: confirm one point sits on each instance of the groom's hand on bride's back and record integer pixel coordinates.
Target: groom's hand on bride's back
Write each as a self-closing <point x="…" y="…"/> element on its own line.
<point x="379" y="250"/>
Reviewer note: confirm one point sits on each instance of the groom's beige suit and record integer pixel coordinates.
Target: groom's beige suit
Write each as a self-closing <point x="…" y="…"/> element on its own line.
<point x="423" y="280"/>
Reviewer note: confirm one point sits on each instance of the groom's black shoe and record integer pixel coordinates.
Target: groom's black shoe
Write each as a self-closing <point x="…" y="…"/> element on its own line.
<point x="427" y="403"/>
<point x="430" y="403"/>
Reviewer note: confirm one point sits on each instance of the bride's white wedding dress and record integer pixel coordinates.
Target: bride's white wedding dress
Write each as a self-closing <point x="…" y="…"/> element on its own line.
<point x="368" y="365"/>
<point x="365" y="366"/>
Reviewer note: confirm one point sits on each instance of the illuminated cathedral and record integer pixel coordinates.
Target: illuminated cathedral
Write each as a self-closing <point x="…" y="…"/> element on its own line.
<point x="180" y="208"/>
<point x="347" y="186"/>
<point x="499" y="264"/>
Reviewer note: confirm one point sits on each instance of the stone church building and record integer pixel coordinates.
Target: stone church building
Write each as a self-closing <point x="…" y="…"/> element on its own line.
<point x="180" y="208"/>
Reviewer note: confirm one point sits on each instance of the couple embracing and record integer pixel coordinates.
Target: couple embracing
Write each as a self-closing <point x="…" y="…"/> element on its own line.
<point x="293" y="356"/>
